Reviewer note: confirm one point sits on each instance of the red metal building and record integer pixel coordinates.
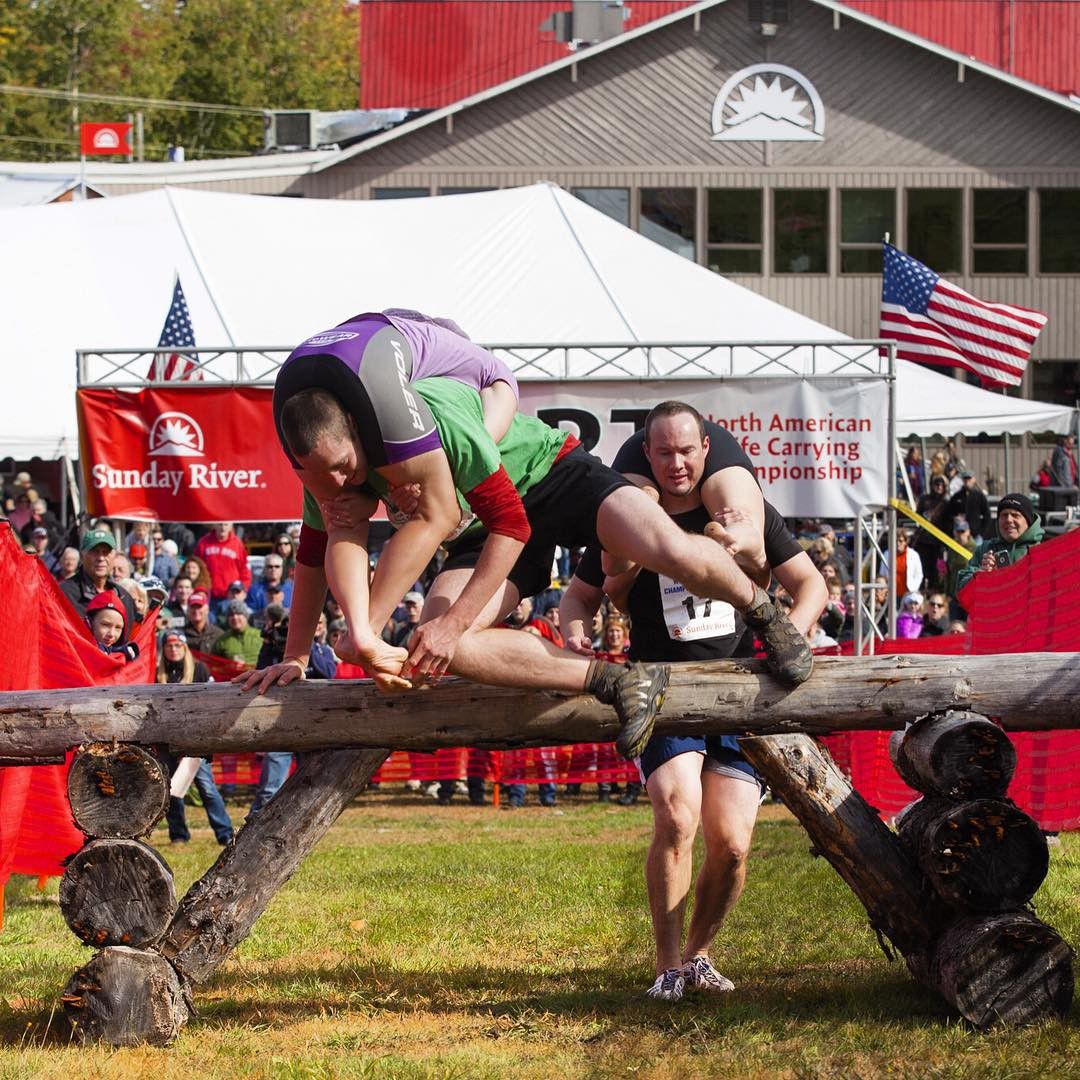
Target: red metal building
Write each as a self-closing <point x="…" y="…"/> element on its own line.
<point x="425" y="54"/>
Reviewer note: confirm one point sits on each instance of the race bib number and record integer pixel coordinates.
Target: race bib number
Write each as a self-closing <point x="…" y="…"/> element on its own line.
<point x="691" y="618"/>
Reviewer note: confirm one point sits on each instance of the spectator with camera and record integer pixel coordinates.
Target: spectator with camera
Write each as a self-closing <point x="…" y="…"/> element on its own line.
<point x="1018" y="530"/>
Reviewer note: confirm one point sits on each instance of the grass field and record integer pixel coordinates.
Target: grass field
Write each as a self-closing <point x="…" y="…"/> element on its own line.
<point x="421" y="941"/>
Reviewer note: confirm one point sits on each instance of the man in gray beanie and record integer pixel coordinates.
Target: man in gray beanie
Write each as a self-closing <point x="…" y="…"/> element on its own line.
<point x="1018" y="529"/>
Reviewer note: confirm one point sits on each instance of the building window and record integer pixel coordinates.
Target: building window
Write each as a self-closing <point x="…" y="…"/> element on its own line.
<point x="464" y="190"/>
<point x="935" y="225"/>
<point x="613" y="201"/>
<point x="800" y="231"/>
<point x="1055" y="380"/>
<point x="667" y="216"/>
<point x="1059" y="231"/>
<point x="999" y="233"/>
<point x="865" y="218"/>
<point x="400" y="192"/>
<point x="734" y="236"/>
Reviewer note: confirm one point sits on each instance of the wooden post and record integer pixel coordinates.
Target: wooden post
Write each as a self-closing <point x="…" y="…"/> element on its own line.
<point x="220" y="909"/>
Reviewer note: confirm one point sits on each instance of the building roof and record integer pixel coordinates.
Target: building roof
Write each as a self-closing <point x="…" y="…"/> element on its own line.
<point x="426" y="55"/>
<point x="842" y="10"/>
<point x="1037" y="40"/>
<point x="34" y="190"/>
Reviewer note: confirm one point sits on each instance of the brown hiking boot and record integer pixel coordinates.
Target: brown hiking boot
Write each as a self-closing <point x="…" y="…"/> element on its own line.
<point x="637" y="692"/>
<point x="786" y="651"/>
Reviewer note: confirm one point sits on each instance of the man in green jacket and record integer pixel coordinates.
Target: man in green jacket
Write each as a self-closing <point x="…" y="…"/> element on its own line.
<point x="1018" y="529"/>
<point x="240" y="641"/>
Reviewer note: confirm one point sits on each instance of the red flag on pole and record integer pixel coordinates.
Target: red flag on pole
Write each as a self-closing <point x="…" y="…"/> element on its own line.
<point x="104" y="138"/>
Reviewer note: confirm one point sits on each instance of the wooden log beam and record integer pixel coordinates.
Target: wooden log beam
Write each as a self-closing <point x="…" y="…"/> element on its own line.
<point x="1029" y="692"/>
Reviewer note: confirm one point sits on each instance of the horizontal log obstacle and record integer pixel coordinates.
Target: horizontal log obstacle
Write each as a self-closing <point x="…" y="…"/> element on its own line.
<point x="1033" y="692"/>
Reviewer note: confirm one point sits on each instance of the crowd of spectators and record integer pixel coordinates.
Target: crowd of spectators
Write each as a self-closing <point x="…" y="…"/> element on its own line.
<point x="210" y="606"/>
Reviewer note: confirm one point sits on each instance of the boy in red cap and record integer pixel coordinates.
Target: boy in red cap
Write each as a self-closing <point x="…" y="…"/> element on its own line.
<point x="106" y="618"/>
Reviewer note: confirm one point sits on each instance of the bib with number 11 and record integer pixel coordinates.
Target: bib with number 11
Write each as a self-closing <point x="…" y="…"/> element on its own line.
<point x="691" y="618"/>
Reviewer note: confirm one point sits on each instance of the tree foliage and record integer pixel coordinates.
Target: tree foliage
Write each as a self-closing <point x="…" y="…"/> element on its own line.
<point x="257" y="53"/>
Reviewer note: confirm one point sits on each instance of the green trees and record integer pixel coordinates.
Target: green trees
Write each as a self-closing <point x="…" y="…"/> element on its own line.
<point x="255" y="53"/>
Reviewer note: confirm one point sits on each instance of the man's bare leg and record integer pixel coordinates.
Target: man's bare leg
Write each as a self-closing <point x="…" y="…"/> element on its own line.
<point x="631" y="526"/>
<point x="675" y="794"/>
<point x="734" y="488"/>
<point x="728" y="812"/>
<point x="503" y="657"/>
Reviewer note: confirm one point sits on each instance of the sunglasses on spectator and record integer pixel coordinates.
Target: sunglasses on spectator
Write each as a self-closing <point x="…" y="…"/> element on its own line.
<point x="937" y="603"/>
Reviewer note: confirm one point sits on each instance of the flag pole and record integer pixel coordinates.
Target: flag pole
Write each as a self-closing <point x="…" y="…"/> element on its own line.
<point x="82" y="176"/>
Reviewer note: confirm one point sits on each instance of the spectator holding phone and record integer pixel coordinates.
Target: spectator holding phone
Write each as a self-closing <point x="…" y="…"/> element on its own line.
<point x="1018" y="530"/>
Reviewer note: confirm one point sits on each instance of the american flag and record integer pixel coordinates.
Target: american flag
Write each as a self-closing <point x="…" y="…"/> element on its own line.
<point x="176" y="333"/>
<point x="936" y="322"/>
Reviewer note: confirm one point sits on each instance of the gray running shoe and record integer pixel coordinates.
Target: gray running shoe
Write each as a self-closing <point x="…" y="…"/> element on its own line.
<point x="786" y="651"/>
<point x="670" y="985"/>
<point x="700" y="974"/>
<point x="637" y="692"/>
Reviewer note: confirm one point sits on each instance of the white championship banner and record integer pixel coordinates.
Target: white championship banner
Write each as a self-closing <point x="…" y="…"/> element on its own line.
<point x="820" y="446"/>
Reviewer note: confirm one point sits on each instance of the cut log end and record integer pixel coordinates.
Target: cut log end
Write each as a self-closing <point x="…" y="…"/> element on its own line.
<point x="117" y="892"/>
<point x="125" y="997"/>
<point x="958" y="754"/>
<point x="1007" y="969"/>
<point x="980" y="856"/>
<point x="117" y="791"/>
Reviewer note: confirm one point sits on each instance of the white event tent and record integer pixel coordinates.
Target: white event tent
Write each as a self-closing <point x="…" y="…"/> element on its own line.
<point x="526" y="265"/>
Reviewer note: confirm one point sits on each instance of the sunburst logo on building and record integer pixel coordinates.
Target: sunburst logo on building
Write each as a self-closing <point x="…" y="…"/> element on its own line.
<point x="768" y="103"/>
<point x="175" y="434"/>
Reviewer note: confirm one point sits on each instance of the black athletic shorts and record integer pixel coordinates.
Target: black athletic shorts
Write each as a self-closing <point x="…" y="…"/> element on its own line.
<point x="562" y="512"/>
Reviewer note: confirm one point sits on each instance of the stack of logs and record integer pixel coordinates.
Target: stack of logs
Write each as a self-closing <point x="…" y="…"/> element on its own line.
<point x="117" y="895"/>
<point x="982" y="859"/>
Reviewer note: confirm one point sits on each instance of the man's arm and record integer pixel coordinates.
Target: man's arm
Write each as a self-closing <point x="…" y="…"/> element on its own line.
<point x="805" y="585"/>
<point x="578" y="606"/>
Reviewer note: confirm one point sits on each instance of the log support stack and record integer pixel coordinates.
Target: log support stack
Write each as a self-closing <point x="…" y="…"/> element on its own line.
<point x="117" y="894"/>
<point x="984" y="859"/>
<point x="949" y="891"/>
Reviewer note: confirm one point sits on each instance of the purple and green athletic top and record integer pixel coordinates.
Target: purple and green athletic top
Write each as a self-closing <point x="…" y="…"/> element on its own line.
<point x="370" y="362"/>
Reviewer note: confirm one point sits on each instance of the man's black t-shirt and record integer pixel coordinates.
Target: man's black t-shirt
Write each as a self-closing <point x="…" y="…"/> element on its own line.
<point x="666" y="620"/>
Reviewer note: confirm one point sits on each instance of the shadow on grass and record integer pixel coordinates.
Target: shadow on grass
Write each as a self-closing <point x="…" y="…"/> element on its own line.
<point x="888" y="996"/>
<point x="239" y="999"/>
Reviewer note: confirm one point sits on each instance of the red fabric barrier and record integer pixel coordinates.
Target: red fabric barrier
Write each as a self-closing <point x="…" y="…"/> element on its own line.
<point x="47" y="646"/>
<point x="1027" y="607"/>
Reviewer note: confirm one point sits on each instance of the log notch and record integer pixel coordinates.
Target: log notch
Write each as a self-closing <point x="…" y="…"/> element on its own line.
<point x="1004" y="969"/>
<point x="1034" y="692"/>
<point x="219" y="909"/>
<point x="1009" y="968"/>
<point x="117" y="791"/>
<point x="984" y="855"/>
<point x="117" y="892"/>
<point x="958" y="754"/>
<point x="125" y="997"/>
